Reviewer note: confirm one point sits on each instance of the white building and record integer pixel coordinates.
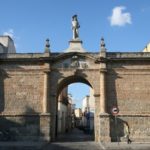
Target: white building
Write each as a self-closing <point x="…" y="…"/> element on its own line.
<point x="62" y="111"/>
<point x="7" y="45"/>
<point x="65" y="109"/>
<point x="147" y="48"/>
<point x="88" y="110"/>
<point x="78" y="117"/>
<point x="71" y="117"/>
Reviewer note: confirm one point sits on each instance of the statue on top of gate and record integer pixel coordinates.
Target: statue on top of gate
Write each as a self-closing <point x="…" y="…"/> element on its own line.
<point x="75" y="27"/>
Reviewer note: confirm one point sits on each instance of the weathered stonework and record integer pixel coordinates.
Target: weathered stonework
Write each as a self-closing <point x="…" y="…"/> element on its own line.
<point x="27" y="127"/>
<point x="30" y="85"/>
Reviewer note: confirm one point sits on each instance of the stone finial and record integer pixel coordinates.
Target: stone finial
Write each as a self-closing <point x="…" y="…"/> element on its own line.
<point x="103" y="48"/>
<point x="47" y="46"/>
<point x="102" y="44"/>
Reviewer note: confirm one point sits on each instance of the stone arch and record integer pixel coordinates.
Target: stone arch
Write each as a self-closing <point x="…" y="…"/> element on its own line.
<point x="70" y="80"/>
<point x="61" y="76"/>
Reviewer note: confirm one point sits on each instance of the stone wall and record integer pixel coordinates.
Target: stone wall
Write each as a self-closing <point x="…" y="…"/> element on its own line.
<point x="21" y="96"/>
<point x="25" y="127"/>
<point x="138" y="126"/>
<point x="22" y="89"/>
<point x="128" y="87"/>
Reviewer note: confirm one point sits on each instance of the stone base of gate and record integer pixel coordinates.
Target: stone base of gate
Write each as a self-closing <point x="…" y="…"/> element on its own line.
<point x="113" y="129"/>
<point x="138" y="126"/>
<point x="104" y="128"/>
<point x="25" y="127"/>
<point x="45" y="120"/>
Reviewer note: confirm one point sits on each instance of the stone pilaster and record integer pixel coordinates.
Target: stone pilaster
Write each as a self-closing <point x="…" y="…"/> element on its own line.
<point x="103" y="70"/>
<point x="45" y="93"/>
<point x="102" y="90"/>
<point x="53" y="111"/>
<point x="104" y="128"/>
<point x="96" y="117"/>
<point x="46" y="88"/>
<point x="45" y="123"/>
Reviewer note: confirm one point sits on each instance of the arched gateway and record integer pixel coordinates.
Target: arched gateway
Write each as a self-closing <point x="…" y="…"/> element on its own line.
<point x="75" y="67"/>
<point x="30" y="84"/>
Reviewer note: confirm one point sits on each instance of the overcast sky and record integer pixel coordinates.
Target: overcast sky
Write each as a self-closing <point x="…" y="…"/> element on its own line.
<point x="124" y="24"/>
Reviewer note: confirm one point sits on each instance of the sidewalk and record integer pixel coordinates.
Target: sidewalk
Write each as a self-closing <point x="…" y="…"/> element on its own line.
<point x="87" y="145"/>
<point x="21" y="145"/>
<point x="125" y="146"/>
<point x="74" y="140"/>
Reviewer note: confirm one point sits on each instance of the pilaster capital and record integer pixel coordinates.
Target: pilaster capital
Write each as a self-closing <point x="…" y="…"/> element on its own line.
<point x="101" y="59"/>
<point x="103" y="70"/>
<point x="47" y="71"/>
<point x="46" y="67"/>
<point x="104" y="114"/>
<point x="45" y="114"/>
<point x="96" y="95"/>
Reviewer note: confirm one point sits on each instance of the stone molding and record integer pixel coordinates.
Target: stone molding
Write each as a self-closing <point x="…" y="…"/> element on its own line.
<point x="22" y="115"/>
<point x="125" y="115"/>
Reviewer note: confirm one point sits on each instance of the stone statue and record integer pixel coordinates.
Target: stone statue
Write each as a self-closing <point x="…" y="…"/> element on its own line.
<point x="75" y="27"/>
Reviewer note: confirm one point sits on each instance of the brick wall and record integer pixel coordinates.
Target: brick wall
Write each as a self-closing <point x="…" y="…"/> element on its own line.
<point x="22" y="88"/>
<point x="129" y="88"/>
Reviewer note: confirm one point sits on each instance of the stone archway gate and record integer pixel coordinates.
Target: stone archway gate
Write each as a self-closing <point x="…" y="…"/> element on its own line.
<point x="29" y="84"/>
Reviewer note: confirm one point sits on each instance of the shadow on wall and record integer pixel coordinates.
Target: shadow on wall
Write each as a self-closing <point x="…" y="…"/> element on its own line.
<point x="112" y="76"/>
<point x="118" y="129"/>
<point x="24" y="127"/>
<point x="3" y="76"/>
<point x="117" y="125"/>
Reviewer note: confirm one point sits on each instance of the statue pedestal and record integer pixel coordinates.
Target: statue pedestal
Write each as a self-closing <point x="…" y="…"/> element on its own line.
<point x="75" y="45"/>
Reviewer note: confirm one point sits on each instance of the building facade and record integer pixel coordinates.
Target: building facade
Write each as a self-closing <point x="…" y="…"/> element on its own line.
<point x="7" y="45"/>
<point x="78" y="117"/>
<point x="65" y="111"/>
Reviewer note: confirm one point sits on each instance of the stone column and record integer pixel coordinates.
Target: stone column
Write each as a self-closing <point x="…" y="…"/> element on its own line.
<point x="96" y="117"/>
<point x="45" y="92"/>
<point x="102" y="90"/>
<point x="103" y="70"/>
<point x="104" y="117"/>
<point x="104" y="131"/>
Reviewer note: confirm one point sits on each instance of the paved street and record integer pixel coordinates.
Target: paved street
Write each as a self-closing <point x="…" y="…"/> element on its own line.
<point x="75" y="140"/>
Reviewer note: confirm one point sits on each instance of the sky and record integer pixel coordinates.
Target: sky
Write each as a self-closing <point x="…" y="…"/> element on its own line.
<point x="124" y="24"/>
<point x="78" y="91"/>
